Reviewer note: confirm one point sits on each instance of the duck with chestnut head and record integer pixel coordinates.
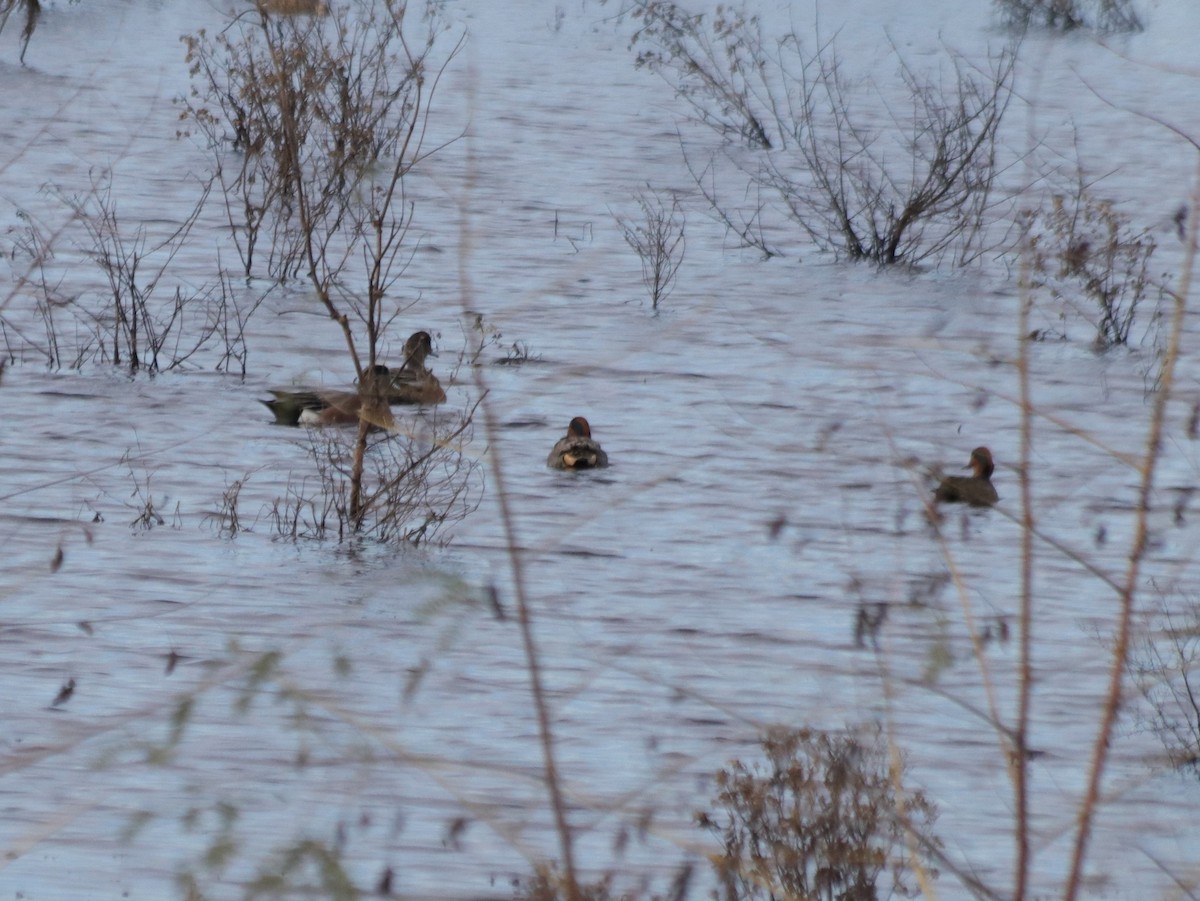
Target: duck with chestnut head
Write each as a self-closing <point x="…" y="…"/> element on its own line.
<point x="577" y="449"/>
<point x="976" y="489"/>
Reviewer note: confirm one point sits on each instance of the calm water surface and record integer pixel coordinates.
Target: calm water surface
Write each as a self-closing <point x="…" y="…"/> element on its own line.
<point x="761" y="428"/>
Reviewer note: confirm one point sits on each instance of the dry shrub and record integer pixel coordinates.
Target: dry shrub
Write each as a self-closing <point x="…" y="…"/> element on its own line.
<point x="413" y="484"/>
<point x="548" y="884"/>
<point x="1082" y="248"/>
<point x="1166" y="668"/>
<point x="294" y="7"/>
<point x="822" y="818"/>
<point x="313" y="123"/>
<point x="144" y="318"/>
<point x="1069" y="15"/>
<point x="658" y="241"/>
<point x="327" y="116"/>
<point x="916" y="191"/>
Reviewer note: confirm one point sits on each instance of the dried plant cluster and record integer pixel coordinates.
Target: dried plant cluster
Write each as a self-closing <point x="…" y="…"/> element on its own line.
<point x="414" y="484"/>
<point x="136" y="315"/>
<point x="658" y="240"/>
<point x="314" y="118"/>
<point x="1071" y="15"/>
<point x="914" y="194"/>
<point x="1165" y="667"/>
<point x="1082" y="248"/>
<point x="548" y="884"/>
<point x="824" y="816"/>
<point x="314" y="122"/>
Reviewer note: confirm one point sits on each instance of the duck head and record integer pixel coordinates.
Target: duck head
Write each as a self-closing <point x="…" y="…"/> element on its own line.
<point x="375" y="377"/>
<point x="418" y="346"/>
<point x="981" y="465"/>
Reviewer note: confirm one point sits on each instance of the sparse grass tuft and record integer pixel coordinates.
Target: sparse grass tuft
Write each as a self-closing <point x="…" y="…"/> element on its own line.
<point x="226" y="519"/>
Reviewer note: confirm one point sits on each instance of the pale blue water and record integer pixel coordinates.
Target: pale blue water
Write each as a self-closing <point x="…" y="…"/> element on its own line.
<point x="672" y="624"/>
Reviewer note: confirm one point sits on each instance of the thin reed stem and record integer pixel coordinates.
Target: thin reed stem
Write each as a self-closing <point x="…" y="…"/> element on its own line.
<point x="516" y="560"/>
<point x="529" y="643"/>
<point x="1019" y="759"/>
<point x="1120" y="652"/>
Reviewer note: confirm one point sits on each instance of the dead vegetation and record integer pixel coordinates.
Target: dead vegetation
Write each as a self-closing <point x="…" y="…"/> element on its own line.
<point x="657" y="237"/>
<point x="823" y="816"/>
<point x="917" y="190"/>
<point x="33" y="12"/>
<point x="314" y="122"/>
<point x="1088" y="257"/>
<point x="415" y="482"/>
<point x="143" y="319"/>
<point x="828" y="814"/>
<point x="1104" y="16"/>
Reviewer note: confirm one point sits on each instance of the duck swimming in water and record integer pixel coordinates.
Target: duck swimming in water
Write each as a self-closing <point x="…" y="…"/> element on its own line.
<point x="976" y="489"/>
<point x="577" y="449"/>
<point x="331" y="407"/>
<point x="380" y="387"/>
<point x="413" y="383"/>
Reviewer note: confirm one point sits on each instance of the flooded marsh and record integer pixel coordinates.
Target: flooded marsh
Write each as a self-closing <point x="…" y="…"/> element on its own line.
<point x="204" y="669"/>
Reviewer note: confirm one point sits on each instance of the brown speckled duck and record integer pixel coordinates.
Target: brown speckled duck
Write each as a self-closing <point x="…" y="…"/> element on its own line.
<point x="412" y="383"/>
<point x="977" y="489"/>
<point x="577" y="449"/>
<point x="331" y="407"/>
